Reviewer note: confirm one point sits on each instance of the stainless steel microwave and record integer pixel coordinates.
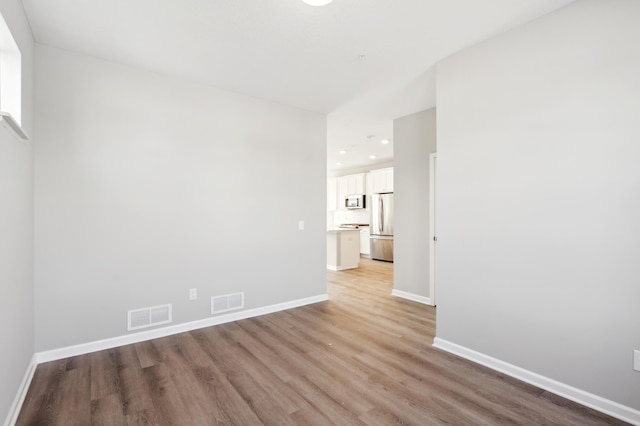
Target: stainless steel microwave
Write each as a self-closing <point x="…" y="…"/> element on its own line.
<point x="355" y="201"/>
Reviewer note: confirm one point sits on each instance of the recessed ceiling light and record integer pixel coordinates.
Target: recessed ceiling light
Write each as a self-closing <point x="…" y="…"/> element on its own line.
<point x="317" y="2"/>
<point x="342" y="151"/>
<point x="338" y="164"/>
<point x="384" y="141"/>
<point x="373" y="157"/>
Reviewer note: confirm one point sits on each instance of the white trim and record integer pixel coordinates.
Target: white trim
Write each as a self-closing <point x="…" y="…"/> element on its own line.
<point x="340" y="268"/>
<point x="14" y="411"/>
<point x="85" y="348"/>
<point x="432" y="228"/>
<point x="411" y="296"/>
<point x="596" y="402"/>
<point x="11" y="124"/>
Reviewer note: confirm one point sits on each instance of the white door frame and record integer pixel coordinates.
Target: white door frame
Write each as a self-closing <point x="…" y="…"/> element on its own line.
<point x="432" y="228"/>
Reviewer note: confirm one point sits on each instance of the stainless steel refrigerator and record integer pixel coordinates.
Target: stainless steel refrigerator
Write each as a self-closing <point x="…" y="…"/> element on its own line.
<point x="381" y="239"/>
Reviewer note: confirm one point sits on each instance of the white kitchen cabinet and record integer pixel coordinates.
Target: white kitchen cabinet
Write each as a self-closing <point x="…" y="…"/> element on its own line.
<point x="382" y="180"/>
<point x="355" y="184"/>
<point x="342" y="249"/>
<point x="342" y="189"/>
<point x="349" y="185"/>
<point x="365" y="248"/>
<point x="332" y="194"/>
<point x="368" y="184"/>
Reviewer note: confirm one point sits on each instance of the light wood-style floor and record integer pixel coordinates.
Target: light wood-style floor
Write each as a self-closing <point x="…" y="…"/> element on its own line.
<point x="364" y="357"/>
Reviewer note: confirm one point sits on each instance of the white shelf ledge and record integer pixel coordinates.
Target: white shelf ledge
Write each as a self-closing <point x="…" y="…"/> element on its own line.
<point x="11" y="124"/>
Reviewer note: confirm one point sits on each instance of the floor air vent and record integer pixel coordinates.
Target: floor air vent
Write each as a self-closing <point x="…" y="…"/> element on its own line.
<point x="228" y="302"/>
<point x="148" y="317"/>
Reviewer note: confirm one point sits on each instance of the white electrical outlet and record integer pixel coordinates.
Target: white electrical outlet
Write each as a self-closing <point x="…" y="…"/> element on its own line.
<point x="301" y="225"/>
<point x="193" y="293"/>
<point x="636" y="360"/>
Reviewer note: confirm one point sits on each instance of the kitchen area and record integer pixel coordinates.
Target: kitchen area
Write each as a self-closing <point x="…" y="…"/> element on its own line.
<point x="359" y="218"/>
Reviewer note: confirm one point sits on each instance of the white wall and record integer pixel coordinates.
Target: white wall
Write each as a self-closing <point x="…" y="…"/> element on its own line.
<point x="539" y="197"/>
<point x="16" y="227"/>
<point x="148" y="185"/>
<point x="414" y="138"/>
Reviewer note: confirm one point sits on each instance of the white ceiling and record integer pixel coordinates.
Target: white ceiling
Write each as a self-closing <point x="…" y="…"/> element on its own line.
<point x="362" y="62"/>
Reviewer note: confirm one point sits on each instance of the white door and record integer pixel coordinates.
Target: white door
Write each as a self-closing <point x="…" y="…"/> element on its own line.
<point x="433" y="239"/>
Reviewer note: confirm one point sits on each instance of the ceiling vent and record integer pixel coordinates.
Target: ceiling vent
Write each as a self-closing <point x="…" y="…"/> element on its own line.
<point x="148" y="317"/>
<point x="227" y="302"/>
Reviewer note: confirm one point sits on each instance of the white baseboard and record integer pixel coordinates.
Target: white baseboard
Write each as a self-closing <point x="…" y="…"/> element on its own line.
<point x="340" y="268"/>
<point x="128" y="339"/>
<point x="14" y="411"/>
<point x="596" y="402"/>
<point x="411" y="296"/>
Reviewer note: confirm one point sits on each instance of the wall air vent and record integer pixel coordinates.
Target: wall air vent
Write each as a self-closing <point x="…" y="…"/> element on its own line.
<point x="227" y="302"/>
<point x="148" y="317"/>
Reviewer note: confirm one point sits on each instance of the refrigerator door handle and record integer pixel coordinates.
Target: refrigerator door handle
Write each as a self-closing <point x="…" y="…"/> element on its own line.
<point x="381" y="224"/>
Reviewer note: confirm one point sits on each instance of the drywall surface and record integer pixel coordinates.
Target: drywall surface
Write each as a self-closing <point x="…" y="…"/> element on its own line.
<point x="16" y="227"/>
<point x="147" y="186"/>
<point x="539" y="197"/>
<point x="414" y="138"/>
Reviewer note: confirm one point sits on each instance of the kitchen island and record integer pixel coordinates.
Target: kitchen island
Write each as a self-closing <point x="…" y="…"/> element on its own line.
<point x="343" y="249"/>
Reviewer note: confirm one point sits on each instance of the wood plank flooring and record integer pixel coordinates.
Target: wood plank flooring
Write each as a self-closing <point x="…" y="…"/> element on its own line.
<point x="362" y="358"/>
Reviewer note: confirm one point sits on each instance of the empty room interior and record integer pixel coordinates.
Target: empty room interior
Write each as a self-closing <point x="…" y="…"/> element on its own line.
<point x="180" y="182"/>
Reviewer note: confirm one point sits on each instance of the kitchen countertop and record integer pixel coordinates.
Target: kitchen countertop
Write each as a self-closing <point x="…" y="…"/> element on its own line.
<point x="351" y="226"/>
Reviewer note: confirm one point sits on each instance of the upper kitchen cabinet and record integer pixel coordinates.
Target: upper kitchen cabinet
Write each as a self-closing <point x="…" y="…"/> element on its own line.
<point x="382" y="180"/>
<point x="354" y="184"/>
<point x="368" y="184"/>
<point x="332" y="194"/>
<point x="343" y="186"/>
